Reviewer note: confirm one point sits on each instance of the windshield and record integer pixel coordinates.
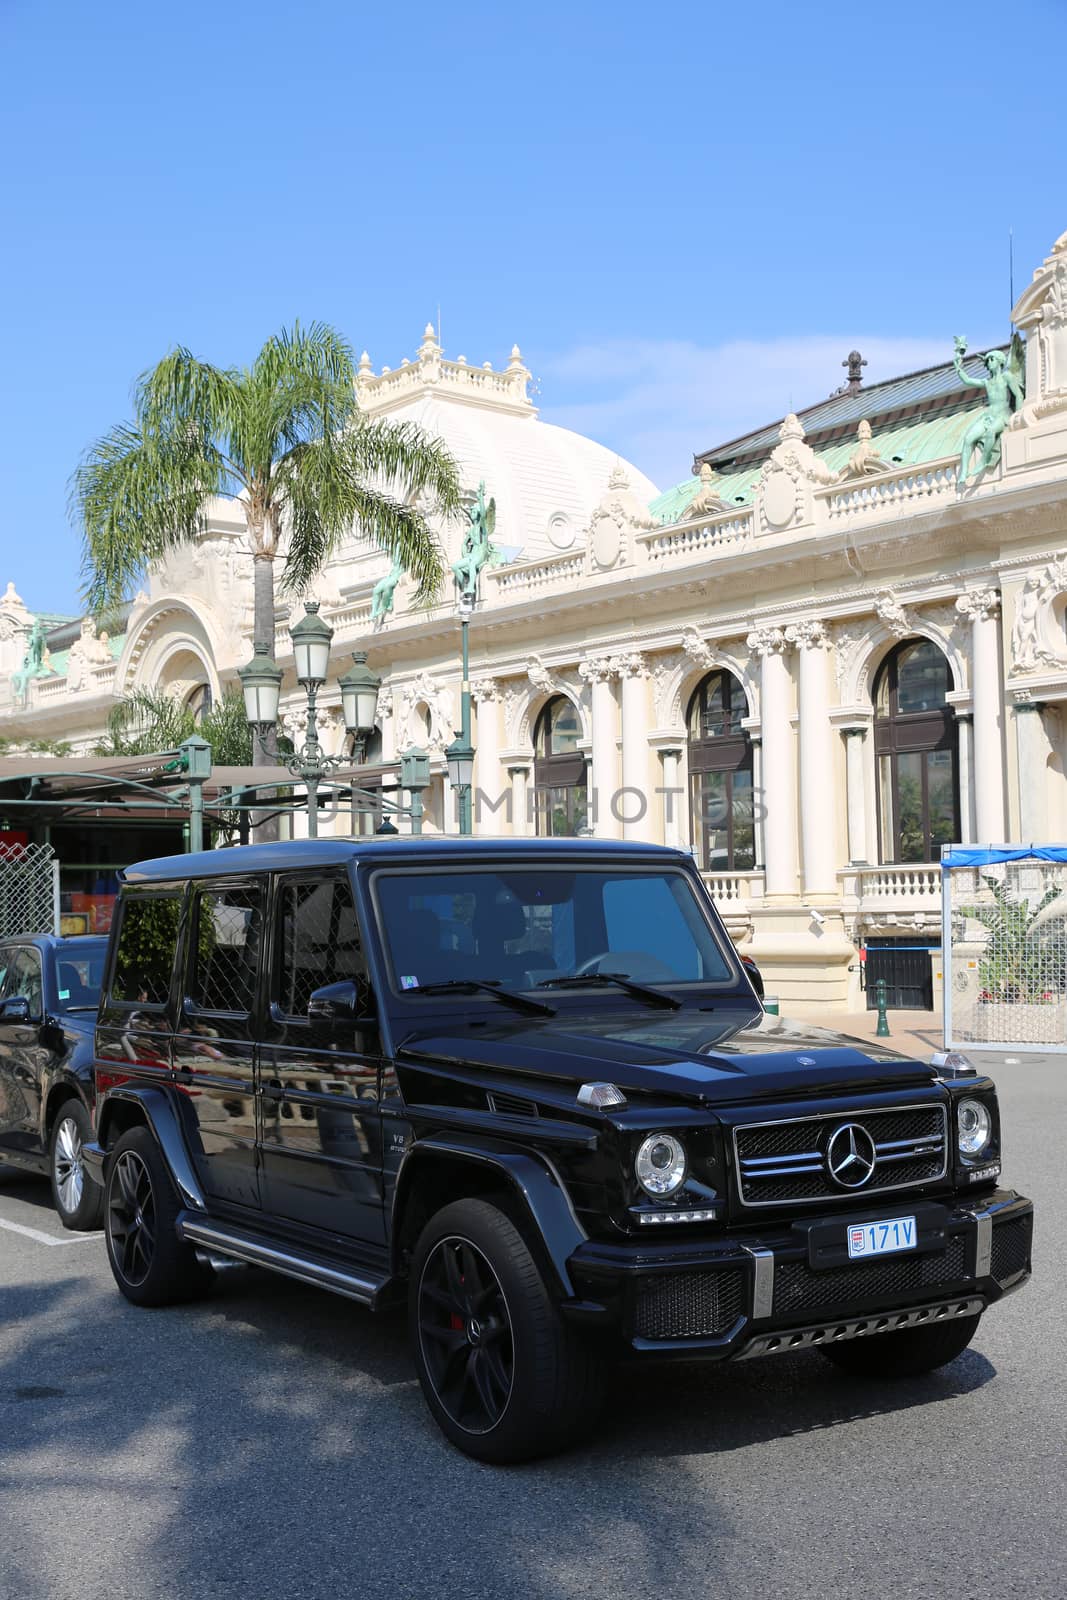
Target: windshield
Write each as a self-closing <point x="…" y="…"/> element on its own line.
<point x="79" y="973"/>
<point x="523" y="925"/>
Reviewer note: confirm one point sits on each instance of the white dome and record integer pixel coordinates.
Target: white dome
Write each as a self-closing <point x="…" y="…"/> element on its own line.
<point x="546" y="480"/>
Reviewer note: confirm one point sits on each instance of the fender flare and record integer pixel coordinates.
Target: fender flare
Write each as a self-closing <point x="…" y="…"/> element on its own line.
<point x="532" y="1178"/>
<point x="164" y="1125"/>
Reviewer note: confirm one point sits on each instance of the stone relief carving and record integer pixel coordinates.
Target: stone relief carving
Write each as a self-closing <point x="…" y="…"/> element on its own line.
<point x="892" y="615"/>
<point x="425" y="690"/>
<point x="88" y="650"/>
<point x="614" y="520"/>
<point x="542" y="677"/>
<point x="663" y="672"/>
<point x="1036" y="641"/>
<point x="767" y="641"/>
<point x="789" y="476"/>
<point x="483" y="689"/>
<point x="979" y="604"/>
<point x="810" y="635"/>
<point x="630" y="665"/>
<point x="597" y="669"/>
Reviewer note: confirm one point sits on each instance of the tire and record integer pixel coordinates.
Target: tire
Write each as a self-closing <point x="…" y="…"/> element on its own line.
<point x="908" y="1354"/>
<point x="505" y="1378"/>
<point x="151" y="1265"/>
<point x="79" y="1202"/>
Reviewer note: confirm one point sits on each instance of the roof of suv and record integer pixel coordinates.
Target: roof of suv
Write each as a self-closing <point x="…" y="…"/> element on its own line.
<point x="54" y="941"/>
<point x="321" y="853"/>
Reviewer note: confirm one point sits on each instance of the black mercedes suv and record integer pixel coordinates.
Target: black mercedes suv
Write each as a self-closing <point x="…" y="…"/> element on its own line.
<point x="527" y="1086"/>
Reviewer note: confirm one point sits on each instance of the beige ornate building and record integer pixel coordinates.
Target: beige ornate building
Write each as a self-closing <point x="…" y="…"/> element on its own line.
<point x="814" y="662"/>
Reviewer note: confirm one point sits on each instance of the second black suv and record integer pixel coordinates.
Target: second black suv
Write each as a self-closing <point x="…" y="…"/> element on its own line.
<point x="527" y="1087"/>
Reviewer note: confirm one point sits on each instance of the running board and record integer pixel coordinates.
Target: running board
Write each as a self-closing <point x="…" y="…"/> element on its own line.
<point x="822" y="1333"/>
<point x="259" y="1251"/>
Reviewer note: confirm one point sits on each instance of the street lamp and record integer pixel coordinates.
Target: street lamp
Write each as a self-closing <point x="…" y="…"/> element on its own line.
<point x="460" y="753"/>
<point x="261" y="685"/>
<point x="359" y="701"/>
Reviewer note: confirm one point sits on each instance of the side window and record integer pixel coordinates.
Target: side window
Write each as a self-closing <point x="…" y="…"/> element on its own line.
<point x="24" y="979"/>
<point x="226" y="946"/>
<point x="148" y="940"/>
<point x="318" y="942"/>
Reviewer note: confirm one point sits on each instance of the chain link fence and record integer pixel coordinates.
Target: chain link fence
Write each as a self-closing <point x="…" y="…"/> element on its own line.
<point x="1005" y="946"/>
<point x="29" y="889"/>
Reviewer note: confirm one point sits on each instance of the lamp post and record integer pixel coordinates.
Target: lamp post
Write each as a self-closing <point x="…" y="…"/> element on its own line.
<point x="415" y="778"/>
<point x="261" y="686"/>
<point x="460" y="754"/>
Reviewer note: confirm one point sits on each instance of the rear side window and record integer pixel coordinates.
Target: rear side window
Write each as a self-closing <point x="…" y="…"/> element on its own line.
<point x="148" y="940"/>
<point x="226" y="949"/>
<point x="318" y="939"/>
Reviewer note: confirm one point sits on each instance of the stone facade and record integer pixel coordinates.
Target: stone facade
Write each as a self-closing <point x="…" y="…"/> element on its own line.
<point x="797" y="582"/>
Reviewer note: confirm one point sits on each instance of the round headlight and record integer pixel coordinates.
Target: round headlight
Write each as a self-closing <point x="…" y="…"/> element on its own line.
<point x="975" y="1126"/>
<point x="660" y="1165"/>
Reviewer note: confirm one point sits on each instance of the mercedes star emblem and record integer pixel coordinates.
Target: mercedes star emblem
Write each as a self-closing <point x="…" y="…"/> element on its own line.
<point x="850" y="1155"/>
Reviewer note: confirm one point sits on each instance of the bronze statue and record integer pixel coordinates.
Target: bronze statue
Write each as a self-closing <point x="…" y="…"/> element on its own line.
<point x="477" y="549"/>
<point x="1003" y="385"/>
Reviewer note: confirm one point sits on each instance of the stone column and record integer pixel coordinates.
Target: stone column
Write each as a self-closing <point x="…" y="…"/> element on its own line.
<point x="855" y="736"/>
<point x="519" y="773"/>
<point x="982" y="606"/>
<point x="817" y="828"/>
<point x="598" y="672"/>
<point x="1033" y="748"/>
<point x="387" y="723"/>
<point x="635" y="805"/>
<point x="779" y="796"/>
<point x="673" y="800"/>
<point x="965" y="757"/>
<point x="487" y="816"/>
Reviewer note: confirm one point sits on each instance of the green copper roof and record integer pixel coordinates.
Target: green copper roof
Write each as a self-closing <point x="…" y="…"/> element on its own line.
<point x="59" y="660"/>
<point x="923" y="438"/>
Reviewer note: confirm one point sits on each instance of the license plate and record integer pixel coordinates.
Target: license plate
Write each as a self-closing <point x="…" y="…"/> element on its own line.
<point x="881" y="1238"/>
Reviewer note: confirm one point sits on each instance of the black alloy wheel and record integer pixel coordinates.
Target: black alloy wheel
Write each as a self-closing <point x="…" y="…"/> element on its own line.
<point x="505" y="1377"/>
<point x="132" y="1218"/>
<point x="465" y="1335"/>
<point x="151" y="1264"/>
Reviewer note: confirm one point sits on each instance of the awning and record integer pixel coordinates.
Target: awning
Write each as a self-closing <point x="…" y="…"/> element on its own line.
<point x="985" y="855"/>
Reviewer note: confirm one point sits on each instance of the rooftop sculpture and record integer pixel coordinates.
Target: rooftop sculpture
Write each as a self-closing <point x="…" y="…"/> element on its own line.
<point x="1003" y="385"/>
<point x="477" y="548"/>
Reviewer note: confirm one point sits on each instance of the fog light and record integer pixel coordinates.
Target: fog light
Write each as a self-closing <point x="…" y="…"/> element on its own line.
<point x="660" y="1164"/>
<point x="974" y="1127"/>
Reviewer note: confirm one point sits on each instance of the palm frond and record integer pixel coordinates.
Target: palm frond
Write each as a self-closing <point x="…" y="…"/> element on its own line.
<point x="137" y="495"/>
<point x="407" y="459"/>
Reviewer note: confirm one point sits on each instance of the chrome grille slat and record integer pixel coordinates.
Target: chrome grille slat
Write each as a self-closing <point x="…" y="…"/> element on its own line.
<point x="776" y="1164"/>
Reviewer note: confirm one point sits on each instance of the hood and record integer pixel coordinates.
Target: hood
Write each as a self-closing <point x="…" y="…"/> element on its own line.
<point x="703" y="1057"/>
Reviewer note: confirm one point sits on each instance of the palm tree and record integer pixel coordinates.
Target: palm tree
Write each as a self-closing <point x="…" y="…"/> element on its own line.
<point x="285" y="435"/>
<point x="150" y="721"/>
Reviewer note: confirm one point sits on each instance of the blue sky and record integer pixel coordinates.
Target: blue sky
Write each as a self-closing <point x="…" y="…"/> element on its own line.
<point x="686" y="214"/>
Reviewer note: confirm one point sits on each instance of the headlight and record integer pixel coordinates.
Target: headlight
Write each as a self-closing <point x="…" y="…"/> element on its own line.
<point x="661" y="1164"/>
<point x="974" y="1125"/>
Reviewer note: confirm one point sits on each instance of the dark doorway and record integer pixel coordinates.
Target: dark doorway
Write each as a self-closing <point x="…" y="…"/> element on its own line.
<point x="905" y="966"/>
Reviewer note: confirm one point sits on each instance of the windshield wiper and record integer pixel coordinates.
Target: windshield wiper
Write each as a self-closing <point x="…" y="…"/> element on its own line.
<point x="518" y="1002"/>
<point x="642" y="991"/>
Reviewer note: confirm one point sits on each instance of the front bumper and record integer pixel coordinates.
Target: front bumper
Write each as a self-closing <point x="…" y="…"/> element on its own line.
<point x="793" y="1285"/>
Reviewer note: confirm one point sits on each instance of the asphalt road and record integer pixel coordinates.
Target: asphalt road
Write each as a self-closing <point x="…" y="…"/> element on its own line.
<point x="272" y="1442"/>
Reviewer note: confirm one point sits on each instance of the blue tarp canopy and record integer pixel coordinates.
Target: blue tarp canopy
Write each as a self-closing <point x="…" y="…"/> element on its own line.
<point x="982" y="855"/>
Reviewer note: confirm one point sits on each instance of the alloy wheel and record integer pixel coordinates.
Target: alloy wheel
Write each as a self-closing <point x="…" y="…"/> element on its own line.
<point x="69" y="1165"/>
<point x="132" y="1217"/>
<point x="465" y="1335"/>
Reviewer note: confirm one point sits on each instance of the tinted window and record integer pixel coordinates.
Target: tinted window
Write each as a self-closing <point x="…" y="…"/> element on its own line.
<point x="318" y="941"/>
<point x="523" y="925"/>
<point x="23" y="979"/>
<point x="79" y="973"/>
<point x="226" y="949"/>
<point x="148" y="939"/>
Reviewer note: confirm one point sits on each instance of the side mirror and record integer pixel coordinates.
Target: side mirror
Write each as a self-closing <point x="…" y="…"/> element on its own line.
<point x="17" y="1009"/>
<point x="335" y="1002"/>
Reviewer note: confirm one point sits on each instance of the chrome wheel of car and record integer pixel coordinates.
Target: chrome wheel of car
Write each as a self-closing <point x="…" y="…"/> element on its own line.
<point x="131" y="1217"/>
<point x="465" y="1335"/>
<point x="69" y="1165"/>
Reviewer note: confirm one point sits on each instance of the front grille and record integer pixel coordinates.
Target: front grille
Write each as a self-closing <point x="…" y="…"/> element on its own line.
<point x="798" y="1289"/>
<point x="689" y="1305"/>
<point x="783" y="1163"/>
<point x="1011" y="1247"/>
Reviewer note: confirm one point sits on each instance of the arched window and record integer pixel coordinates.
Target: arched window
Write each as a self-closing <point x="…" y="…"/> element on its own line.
<point x="720" y="776"/>
<point x="199" y="701"/>
<point x="559" y="770"/>
<point x="915" y="746"/>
